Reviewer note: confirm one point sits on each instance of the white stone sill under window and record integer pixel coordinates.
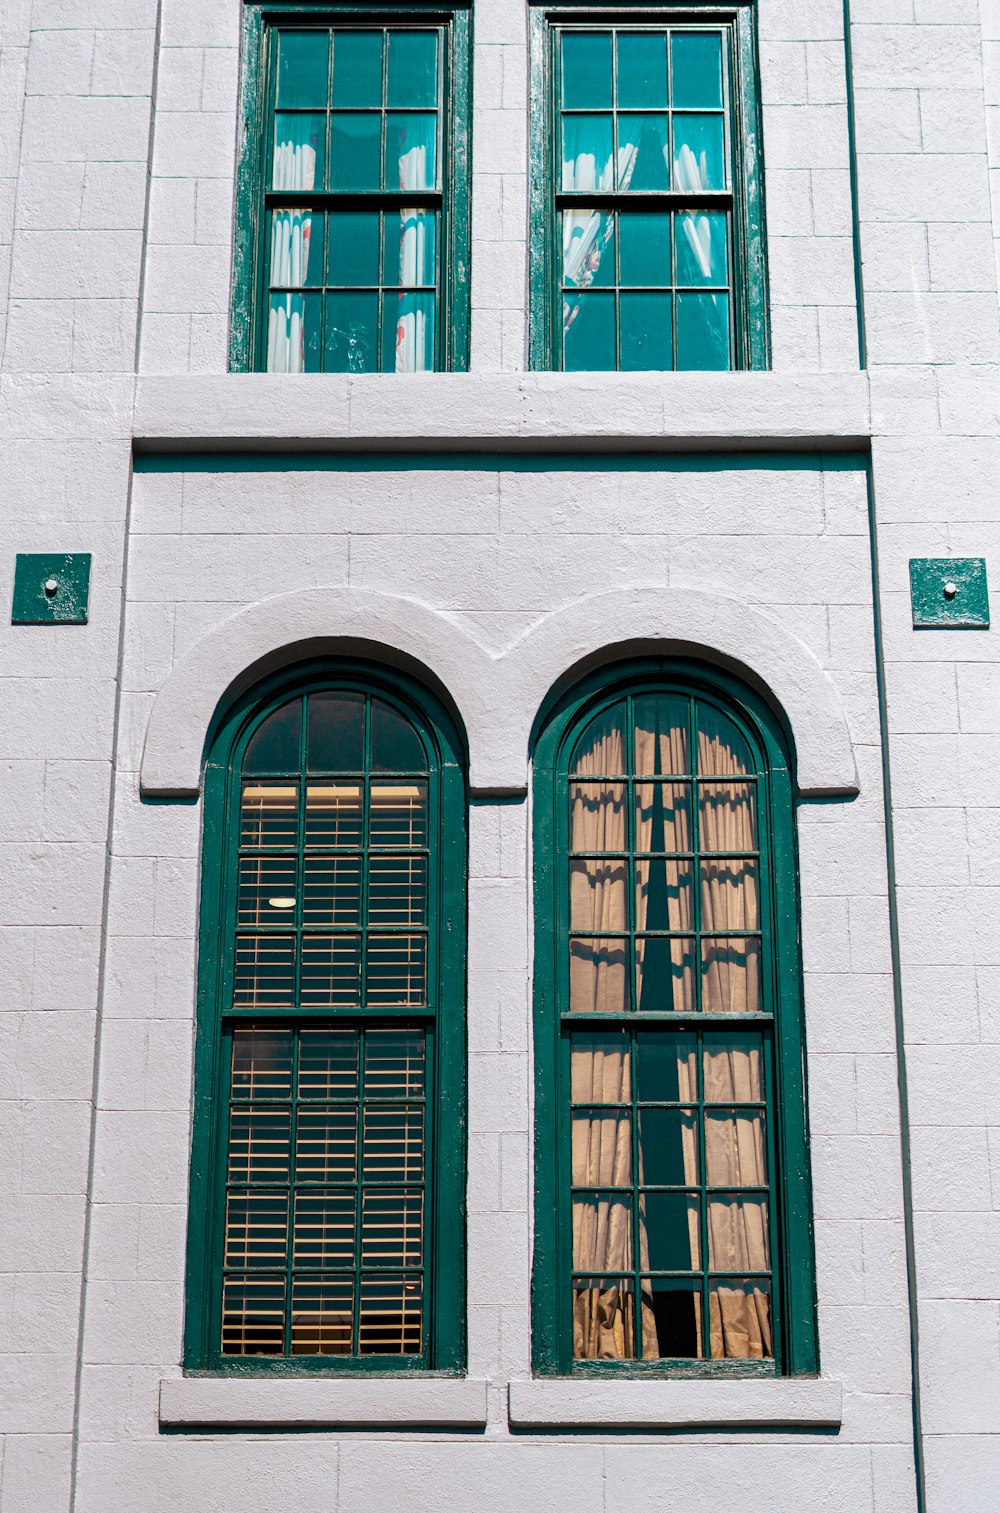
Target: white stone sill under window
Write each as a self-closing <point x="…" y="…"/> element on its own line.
<point x="685" y="1403"/>
<point x="318" y="1403"/>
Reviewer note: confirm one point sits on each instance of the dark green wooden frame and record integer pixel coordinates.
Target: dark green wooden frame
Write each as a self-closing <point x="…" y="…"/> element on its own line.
<point x="794" y="1264"/>
<point x="752" y="347"/>
<point x="247" y="331"/>
<point x="446" y="1025"/>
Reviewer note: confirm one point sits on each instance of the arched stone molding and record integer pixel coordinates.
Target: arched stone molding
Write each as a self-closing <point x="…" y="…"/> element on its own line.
<point x="286" y="629"/>
<point x="657" y="620"/>
<point x="498" y="696"/>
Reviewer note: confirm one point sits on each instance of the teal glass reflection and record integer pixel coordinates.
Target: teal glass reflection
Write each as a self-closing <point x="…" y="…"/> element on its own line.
<point x="589" y="333"/>
<point x="588" y="152"/>
<point x="355" y="151"/>
<point x="644" y="249"/>
<point x="696" y="70"/>
<point x="410" y="151"/>
<point x="357" y="70"/>
<point x="586" y="71"/>
<point x="412" y="69"/>
<point x="702" y="242"/>
<point x="408" y="333"/>
<point x="642" y="70"/>
<point x="303" y="70"/>
<point x="410" y="247"/>
<point x="299" y="151"/>
<point x="642" y="153"/>
<point x="352" y="333"/>
<point x="698" y="153"/>
<point x="294" y="333"/>
<point x="296" y="249"/>
<point x="646" y="337"/>
<point x="588" y="248"/>
<point x="703" y="332"/>
<point x="353" y="257"/>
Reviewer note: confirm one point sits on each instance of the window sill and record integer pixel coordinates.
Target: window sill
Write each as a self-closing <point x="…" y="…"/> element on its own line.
<point x="747" y="1403"/>
<point x="322" y="1403"/>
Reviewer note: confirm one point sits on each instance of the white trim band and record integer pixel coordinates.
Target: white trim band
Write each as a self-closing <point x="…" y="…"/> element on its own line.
<point x="318" y="1403"/>
<point x="747" y="1403"/>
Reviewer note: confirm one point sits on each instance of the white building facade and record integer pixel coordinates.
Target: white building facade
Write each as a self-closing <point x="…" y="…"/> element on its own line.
<point x="490" y="551"/>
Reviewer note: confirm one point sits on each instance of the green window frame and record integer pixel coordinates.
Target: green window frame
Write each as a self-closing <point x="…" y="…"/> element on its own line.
<point x="327" y="1208"/>
<point x="673" y="1225"/>
<point x="647" y="231"/>
<point x="352" y="208"/>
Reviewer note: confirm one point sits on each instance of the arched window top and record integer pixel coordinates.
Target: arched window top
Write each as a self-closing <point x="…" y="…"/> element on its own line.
<point x="656" y="733"/>
<point x="337" y="730"/>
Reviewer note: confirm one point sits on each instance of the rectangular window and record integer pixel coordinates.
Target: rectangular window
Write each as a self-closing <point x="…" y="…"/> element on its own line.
<point x="354" y="253"/>
<point x="648" y="246"/>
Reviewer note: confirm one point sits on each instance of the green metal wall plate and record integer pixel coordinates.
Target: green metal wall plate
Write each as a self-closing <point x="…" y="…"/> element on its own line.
<point x="949" y="593"/>
<point x="51" y="588"/>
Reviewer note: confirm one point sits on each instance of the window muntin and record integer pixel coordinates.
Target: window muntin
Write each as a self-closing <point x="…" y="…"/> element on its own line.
<point x="333" y="1042"/>
<point x="355" y="199"/>
<point x="645" y="116"/>
<point x="673" y="1229"/>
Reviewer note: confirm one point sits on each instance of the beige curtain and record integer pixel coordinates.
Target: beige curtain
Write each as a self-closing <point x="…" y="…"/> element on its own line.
<point x="598" y="968"/>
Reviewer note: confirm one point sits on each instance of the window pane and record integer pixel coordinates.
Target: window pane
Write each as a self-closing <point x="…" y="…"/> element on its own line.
<point x="696" y="67"/>
<point x="294" y="339"/>
<point x="259" y="1144"/>
<point x="602" y="1150"/>
<point x="602" y="1232"/>
<point x="328" y="1063"/>
<point x="586" y="70"/>
<point x="394" y="1144"/>
<point x="322" y="1316"/>
<point x="698" y="155"/>
<point x="589" y="333"/>
<point x="264" y="977"/>
<point x="410" y="247"/>
<point x="669" y="1231"/>
<point x="598" y="816"/>
<point x="397" y="890"/>
<point x="601" y="1067"/>
<point x="392" y="1229"/>
<point x="409" y="323"/>
<point x="275" y="745"/>
<point x="355" y="152"/>
<point x="663" y="894"/>
<point x="269" y="814"/>
<point x="604" y="1319"/>
<point x="357" y="69"/>
<point x="665" y="975"/>
<point x="397" y="971"/>
<point x="738" y="1234"/>
<point x="703" y="332"/>
<point x="598" y="976"/>
<point x="352" y="333"/>
<point x="733" y="1069"/>
<point x="735" y="1154"/>
<point x="390" y="1318"/>
<point x="412" y="68"/>
<point x="333" y="814"/>
<point x="666" y="1067"/>
<point x="642" y="70"/>
<point x="332" y="890"/>
<point x="597" y="895"/>
<point x="262" y="1063"/>
<point x="354" y="248"/>
<point x="296" y="249"/>
<point x="267" y="890"/>
<point x="253" y="1316"/>
<point x="644" y="249"/>
<point x="702" y="248"/>
<point x="600" y="751"/>
<point x="729" y="895"/>
<point x="303" y="69"/>
<point x="741" y="1320"/>
<point x="646" y="334"/>
<point x="394" y="1063"/>
<point x="661" y="735"/>
<point x="668" y="1147"/>
<point x="588" y="153"/>
<point x="326" y="1145"/>
<point x="730" y="975"/>
<point x="256" y="1231"/>
<point x="336" y="739"/>
<point x="396" y="747"/>
<point x="588" y="248"/>
<point x="324" y="1230"/>
<point x="671" y="1320"/>
<point x="410" y="151"/>
<point x="331" y="971"/>
<point x="299" y="151"/>
<point x="663" y="818"/>
<point x="727" y="816"/>
<point x="642" y="152"/>
<point x="722" y="750"/>
<point x="398" y="814"/>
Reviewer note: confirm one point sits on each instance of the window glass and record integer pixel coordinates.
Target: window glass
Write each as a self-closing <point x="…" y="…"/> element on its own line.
<point x="643" y="124"/>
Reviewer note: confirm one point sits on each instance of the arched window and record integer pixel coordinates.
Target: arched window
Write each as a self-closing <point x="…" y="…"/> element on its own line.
<point x="328" y="1165"/>
<point x="673" y="1220"/>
